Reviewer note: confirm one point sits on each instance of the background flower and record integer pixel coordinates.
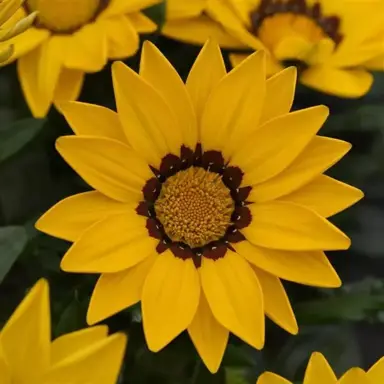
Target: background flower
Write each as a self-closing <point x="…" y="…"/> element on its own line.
<point x="27" y="354"/>
<point x="71" y="38"/>
<point x="9" y="27"/>
<point x="319" y="372"/>
<point x="319" y="37"/>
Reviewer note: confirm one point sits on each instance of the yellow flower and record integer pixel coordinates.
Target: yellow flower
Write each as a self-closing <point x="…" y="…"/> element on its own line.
<point x="70" y="38"/>
<point x="189" y="21"/>
<point x="27" y="354"/>
<point x="10" y="28"/>
<point x="321" y="37"/>
<point x="206" y="194"/>
<point x="319" y="372"/>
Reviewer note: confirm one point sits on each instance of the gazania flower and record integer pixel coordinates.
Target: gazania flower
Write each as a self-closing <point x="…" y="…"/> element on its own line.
<point x="319" y="372"/>
<point x="206" y="194"/>
<point x="190" y="22"/>
<point x="10" y="28"/>
<point x="27" y="354"/>
<point x="70" y="38"/>
<point x="320" y="37"/>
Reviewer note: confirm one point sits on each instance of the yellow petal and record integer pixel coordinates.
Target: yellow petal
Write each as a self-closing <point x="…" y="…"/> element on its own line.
<point x="177" y="9"/>
<point x="125" y="287"/>
<point x="107" y="165"/>
<point x="276" y="303"/>
<point x="91" y="119"/>
<point x="26" y="336"/>
<point x="235" y="297"/>
<point x="123" y="39"/>
<point x="8" y="9"/>
<point x="118" y="7"/>
<point x="376" y="64"/>
<point x="27" y="41"/>
<point x="5" y="372"/>
<point x="222" y="12"/>
<point x="319" y="371"/>
<point x="67" y="345"/>
<point x="5" y="53"/>
<point x="279" y="94"/>
<point x="320" y="154"/>
<point x="271" y="378"/>
<point x="127" y="244"/>
<point x="273" y="155"/>
<point x="322" y="52"/>
<point x="308" y="268"/>
<point x="349" y="83"/>
<point x="69" y="85"/>
<point x="72" y="216"/>
<point x="170" y="299"/>
<point x="326" y="196"/>
<point x="49" y="67"/>
<point x="98" y="364"/>
<point x="150" y="126"/>
<point x="292" y="47"/>
<point x="208" y="335"/>
<point x="273" y="66"/>
<point x="27" y="68"/>
<point x="355" y="376"/>
<point x="142" y="23"/>
<point x="206" y="73"/>
<point x="226" y="120"/>
<point x="87" y="49"/>
<point x="158" y="71"/>
<point x="291" y="227"/>
<point x="19" y="27"/>
<point x="376" y="373"/>
<point x="198" y="30"/>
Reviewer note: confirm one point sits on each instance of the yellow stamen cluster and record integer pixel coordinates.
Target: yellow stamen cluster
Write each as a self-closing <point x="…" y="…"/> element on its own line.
<point x="64" y="15"/>
<point x="195" y="207"/>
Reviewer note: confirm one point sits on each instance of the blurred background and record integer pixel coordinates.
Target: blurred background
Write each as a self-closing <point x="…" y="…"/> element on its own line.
<point x="346" y="324"/>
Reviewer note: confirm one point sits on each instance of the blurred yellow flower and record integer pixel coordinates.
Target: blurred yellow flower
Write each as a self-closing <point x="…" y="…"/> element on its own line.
<point x="332" y="42"/>
<point x="189" y="21"/>
<point x="10" y="28"/>
<point x="70" y="38"/>
<point x="27" y="354"/>
<point x="206" y="194"/>
<point x="319" y="372"/>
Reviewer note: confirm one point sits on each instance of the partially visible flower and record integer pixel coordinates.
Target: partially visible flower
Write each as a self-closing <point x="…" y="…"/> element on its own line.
<point x="189" y="21"/>
<point x="10" y="28"/>
<point x="320" y="372"/>
<point x="206" y="194"/>
<point x="377" y="63"/>
<point x="70" y="38"/>
<point x="27" y="354"/>
<point x="333" y="43"/>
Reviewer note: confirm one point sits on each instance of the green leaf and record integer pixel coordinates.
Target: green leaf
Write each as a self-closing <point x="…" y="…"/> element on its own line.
<point x="72" y="318"/>
<point x="235" y="376"/>
<point x="241" y="356"/>
<point x="203" y="376"/>
<point x="12" y="242"/>
<point x="17" y="136"/>
<point x="352" y="307"/>
<point x="157" y="13"/>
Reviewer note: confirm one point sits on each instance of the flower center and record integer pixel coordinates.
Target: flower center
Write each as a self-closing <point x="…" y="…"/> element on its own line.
<point x="292" y="28"/>
<point x="65" y="16"/>
<point x="195" y="207"/>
